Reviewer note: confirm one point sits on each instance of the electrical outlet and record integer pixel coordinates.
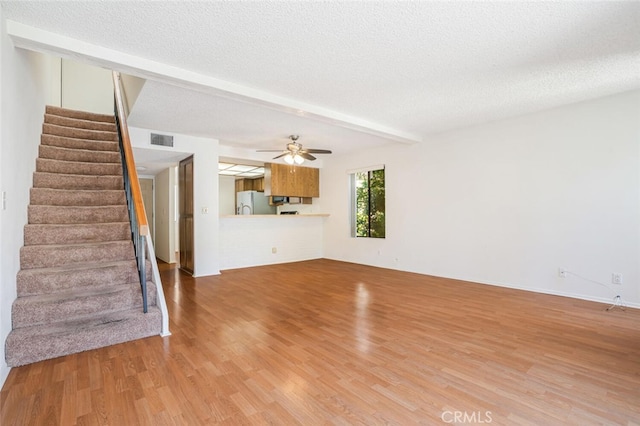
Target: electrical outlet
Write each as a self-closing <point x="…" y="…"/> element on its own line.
<point x="562" y="272"/>
<point x="616" y="278"/>
<point x="274" y="250"/>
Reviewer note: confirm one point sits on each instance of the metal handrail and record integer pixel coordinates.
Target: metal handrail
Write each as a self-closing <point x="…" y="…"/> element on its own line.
<point x="135" y="204"/>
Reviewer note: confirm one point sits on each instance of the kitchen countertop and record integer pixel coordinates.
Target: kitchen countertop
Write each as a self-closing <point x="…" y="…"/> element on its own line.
<point x="274" y="215"/>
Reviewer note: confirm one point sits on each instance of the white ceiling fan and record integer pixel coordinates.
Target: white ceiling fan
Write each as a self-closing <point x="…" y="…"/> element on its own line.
<point x="295" y="153"/>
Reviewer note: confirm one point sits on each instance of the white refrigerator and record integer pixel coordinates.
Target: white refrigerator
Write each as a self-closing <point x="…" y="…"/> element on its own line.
<point x="253" y="202"/>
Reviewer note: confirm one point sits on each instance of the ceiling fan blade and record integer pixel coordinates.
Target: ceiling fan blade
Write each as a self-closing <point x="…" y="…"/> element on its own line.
<point x="318" y="151"/>
<point x="307" y="156"/>
<point x="294" y="148"/>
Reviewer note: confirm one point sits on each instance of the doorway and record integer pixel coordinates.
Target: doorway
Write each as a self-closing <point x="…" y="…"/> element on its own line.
<point x="146" y="186"/>
<point x="185" y="206"/>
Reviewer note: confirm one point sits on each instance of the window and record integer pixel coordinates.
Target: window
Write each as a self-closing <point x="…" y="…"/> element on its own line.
<point x="368" y="203"/>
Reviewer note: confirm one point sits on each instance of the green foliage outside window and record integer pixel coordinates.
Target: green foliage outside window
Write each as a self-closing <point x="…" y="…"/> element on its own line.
<point x="370" y="204"/>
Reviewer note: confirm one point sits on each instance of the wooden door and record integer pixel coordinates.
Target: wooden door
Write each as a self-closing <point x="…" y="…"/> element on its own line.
<point x="185" y="187"/>
<point x="146" y="186"/>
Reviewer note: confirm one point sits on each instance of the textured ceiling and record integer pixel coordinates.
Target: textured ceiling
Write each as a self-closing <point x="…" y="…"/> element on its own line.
<point x="416" y="67"/>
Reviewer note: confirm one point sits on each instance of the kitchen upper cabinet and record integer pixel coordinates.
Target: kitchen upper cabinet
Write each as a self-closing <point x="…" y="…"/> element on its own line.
<point x="239" y="185"/>
<point x="256" y="184"/>
<point x="291" y="181"/>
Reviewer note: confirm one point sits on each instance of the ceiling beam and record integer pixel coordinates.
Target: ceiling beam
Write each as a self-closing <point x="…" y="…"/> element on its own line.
<point x="33" y="38"/>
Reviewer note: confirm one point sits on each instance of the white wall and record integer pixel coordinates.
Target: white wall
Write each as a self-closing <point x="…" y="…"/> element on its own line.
<point x="165" y="207"/>
<point x="25" y="88"/>
<point x="227" y="195"/>
<point x="55" y="88"/>
<point x="205" y="192"/>
<point x="132" y="86"/>
<point x="249" y="240"/>
<point x="86" y="87"/>
<point x="510" y="202"/>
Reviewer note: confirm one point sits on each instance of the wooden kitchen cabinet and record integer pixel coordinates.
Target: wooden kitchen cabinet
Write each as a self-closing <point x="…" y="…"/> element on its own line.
<point x="291" y="181"/>
<point x="239" y="185"/>
<point x="256" y="184"/>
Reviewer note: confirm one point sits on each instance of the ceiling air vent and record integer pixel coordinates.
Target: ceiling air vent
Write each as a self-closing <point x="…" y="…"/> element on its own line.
<point x="162" y="140"/>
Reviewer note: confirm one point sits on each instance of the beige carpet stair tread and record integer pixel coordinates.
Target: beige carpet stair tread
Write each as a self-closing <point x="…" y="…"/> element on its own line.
<point x="60" y="278"/>
<point x="76" y="214"/>
<point x="79" y="123"/>
<point x="75" y="197"/>
<point x="83" y="115"/>
<point x="46" y="256"/>
<point x="74" y="143"/>
<point x="70" y="132"/>
<point x="31" y="344"/>
<point x="49" y="165"/>
<point x="76" y="182"/>
<point x="78" y="303"/>
<point x="72" y="295"/>
<point x="78" y="154"/>
<point x="75" y="233"/>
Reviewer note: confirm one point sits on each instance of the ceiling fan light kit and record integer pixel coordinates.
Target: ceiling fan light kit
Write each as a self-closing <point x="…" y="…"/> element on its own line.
<point x="290" y="159"/>
<point x="295" y="153"/>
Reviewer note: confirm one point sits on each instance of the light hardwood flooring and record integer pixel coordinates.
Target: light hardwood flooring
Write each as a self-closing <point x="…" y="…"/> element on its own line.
<point x="325" y="342"/>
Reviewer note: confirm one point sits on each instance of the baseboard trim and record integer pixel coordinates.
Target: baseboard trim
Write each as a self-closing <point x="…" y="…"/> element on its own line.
<point x="589" y="298"/>
<point x="605" y="300"/>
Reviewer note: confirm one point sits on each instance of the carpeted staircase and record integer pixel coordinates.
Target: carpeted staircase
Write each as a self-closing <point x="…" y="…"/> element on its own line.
<point x="78" y="287"/>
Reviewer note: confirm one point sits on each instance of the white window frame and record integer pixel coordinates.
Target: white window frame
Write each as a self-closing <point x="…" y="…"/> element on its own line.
<point x="352" y="194"/>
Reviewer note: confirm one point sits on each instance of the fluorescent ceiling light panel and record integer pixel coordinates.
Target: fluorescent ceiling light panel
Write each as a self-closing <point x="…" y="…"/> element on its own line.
<point x="223" y="166"/>
<point x="241" y="168"/>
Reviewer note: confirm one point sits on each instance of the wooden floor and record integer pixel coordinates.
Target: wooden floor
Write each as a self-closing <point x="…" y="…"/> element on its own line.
<point x="324" y="342"/>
